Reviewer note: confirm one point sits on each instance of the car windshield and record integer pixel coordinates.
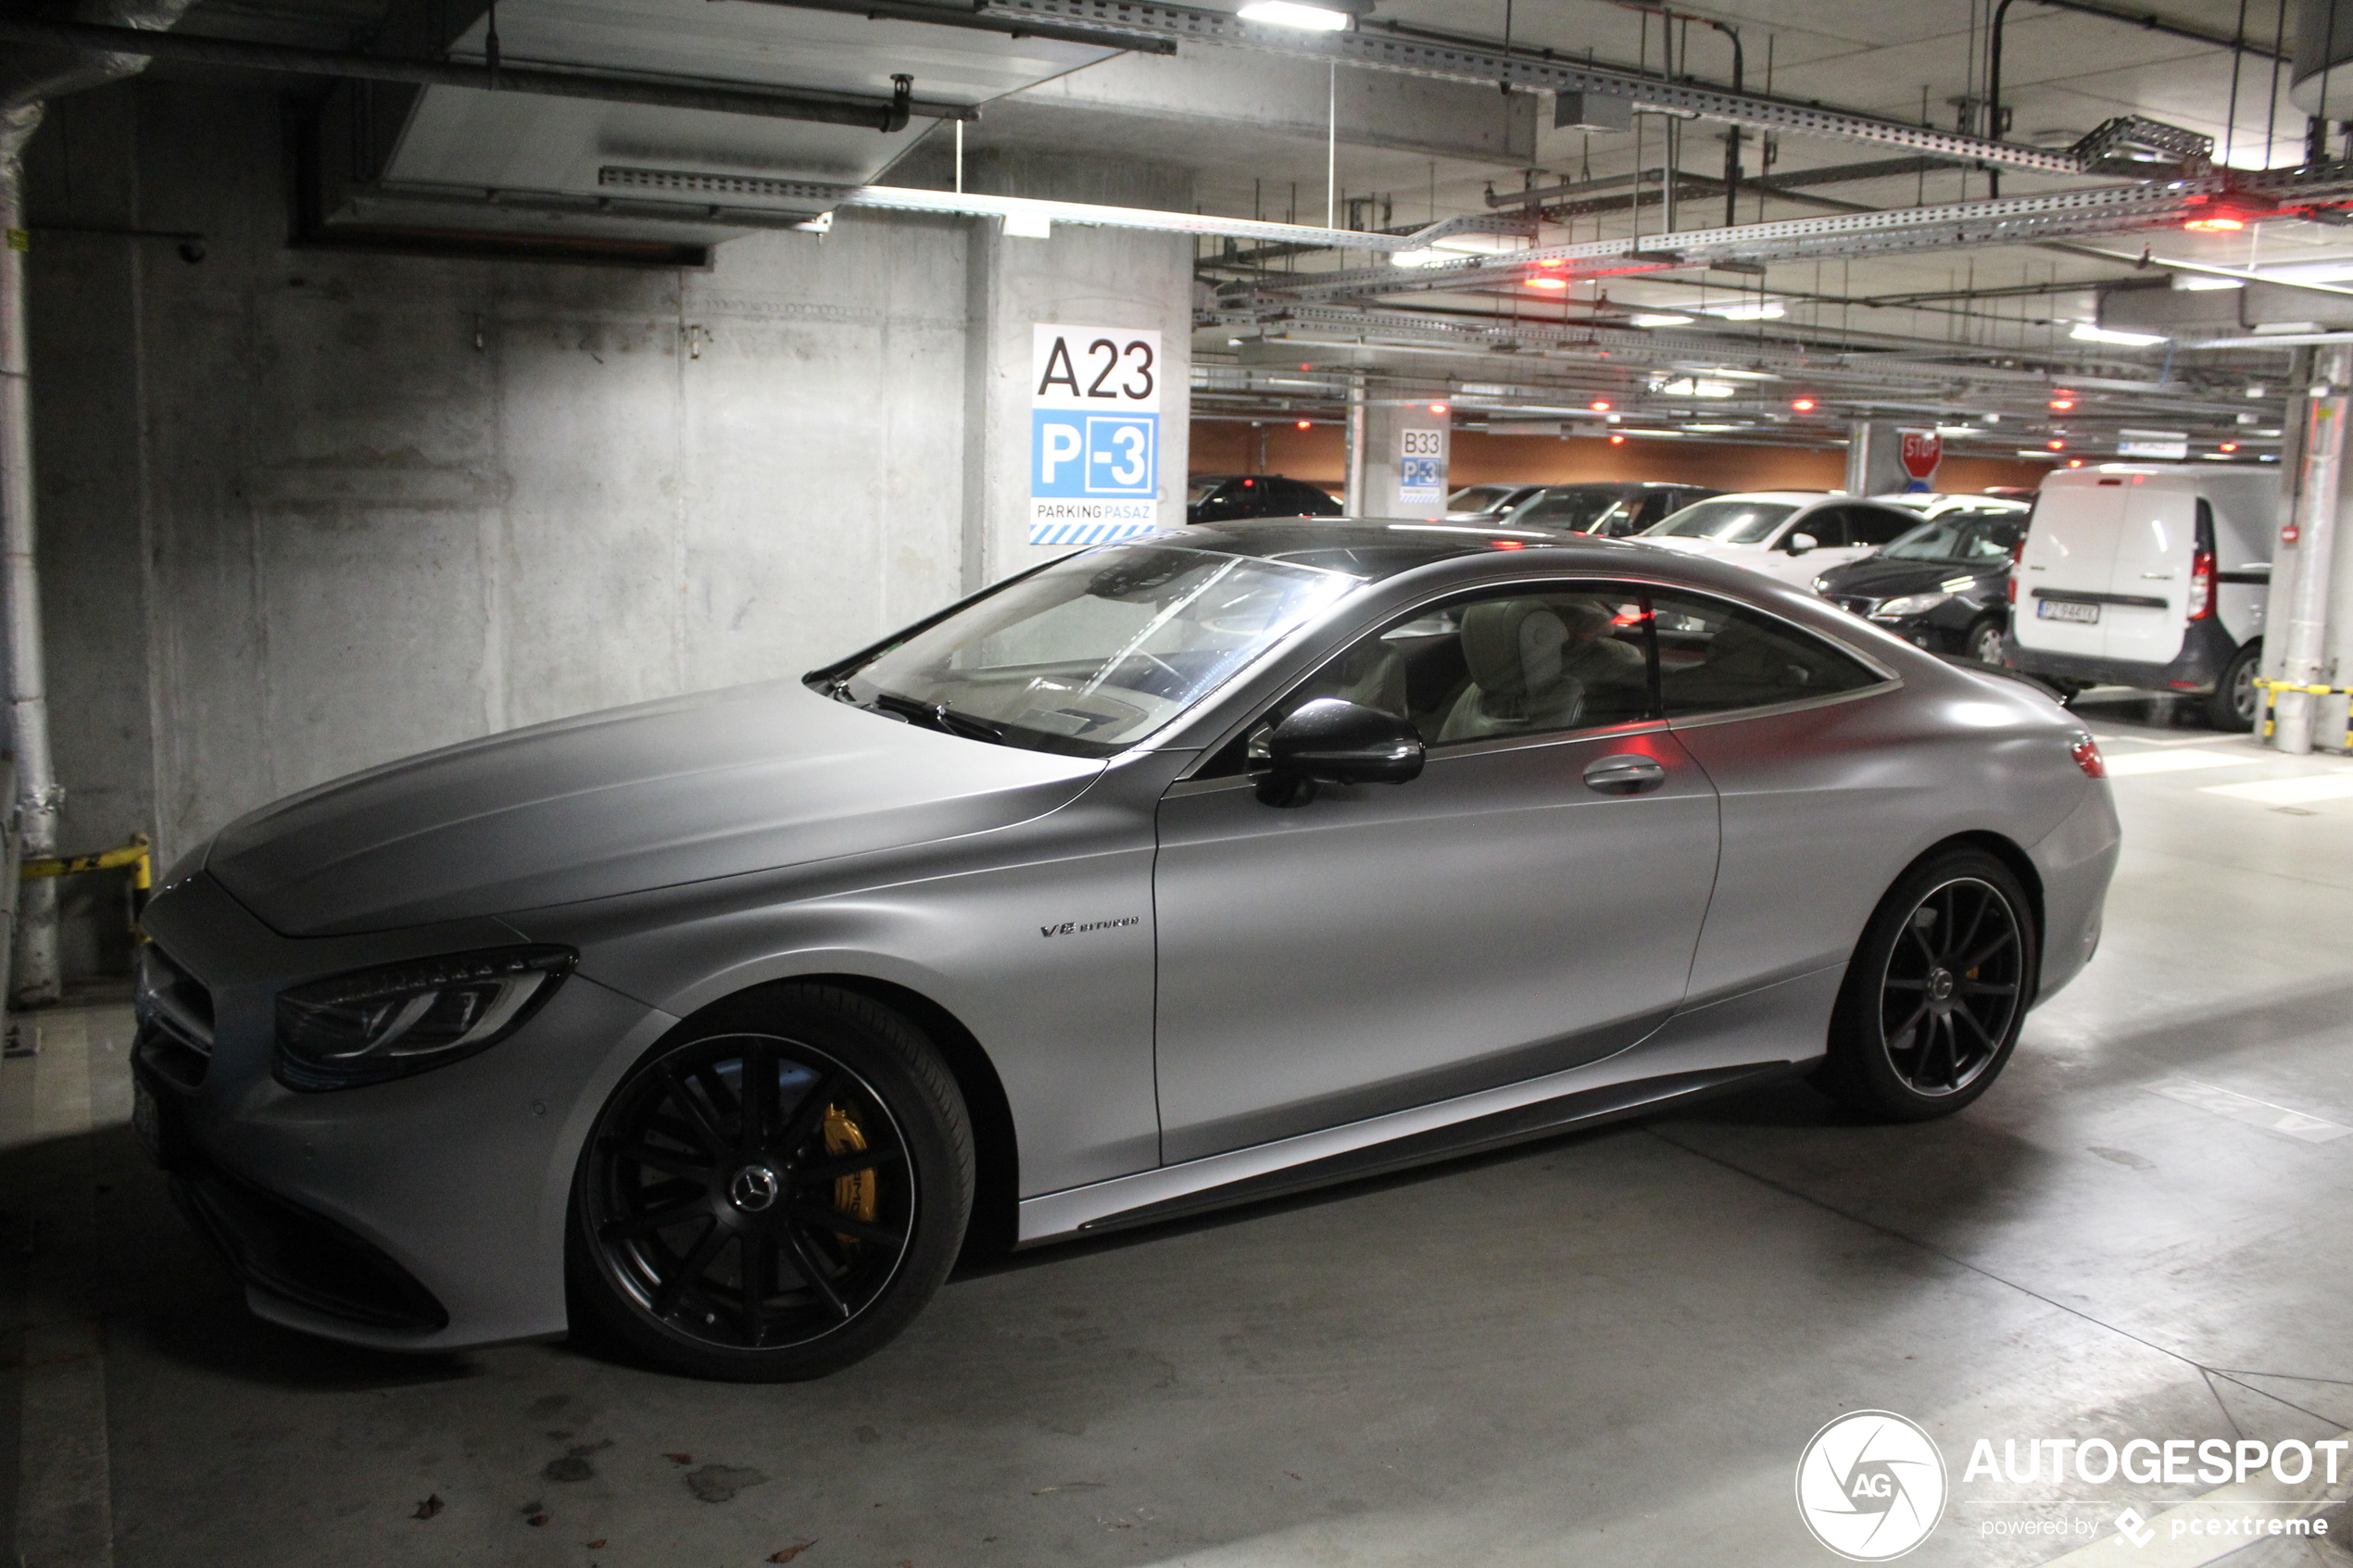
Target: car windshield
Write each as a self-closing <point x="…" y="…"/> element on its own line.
<point x="1095" y="652"/>
<point x="1578" y="511"/>
<point x="1479" y="497"/>
<point x="1726" y="522"/>
<point x="1962" y="537"/>
<point x="1201" y="491"/>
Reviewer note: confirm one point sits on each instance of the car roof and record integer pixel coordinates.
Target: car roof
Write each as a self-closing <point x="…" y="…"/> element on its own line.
<point x="1787" y="497"/>
<point x="1373" y="549"/>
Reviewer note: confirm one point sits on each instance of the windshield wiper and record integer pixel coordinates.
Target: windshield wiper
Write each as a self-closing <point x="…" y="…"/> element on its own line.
<point x="937" y="716"/>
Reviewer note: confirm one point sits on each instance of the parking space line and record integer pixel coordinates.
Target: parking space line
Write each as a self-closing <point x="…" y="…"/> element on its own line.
<point x="2175" y="762"/>
<point x="2254" y="1112"/>
<point x="2287" y="792"/>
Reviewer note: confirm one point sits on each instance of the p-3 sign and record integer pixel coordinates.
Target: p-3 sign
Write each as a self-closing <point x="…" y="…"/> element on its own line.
<point x="1094" y="434"/>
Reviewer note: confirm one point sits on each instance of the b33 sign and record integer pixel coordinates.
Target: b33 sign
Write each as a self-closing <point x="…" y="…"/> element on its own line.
<point x="1094" y="434"/>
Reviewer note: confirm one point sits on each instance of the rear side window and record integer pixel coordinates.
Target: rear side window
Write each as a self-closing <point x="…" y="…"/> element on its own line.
<point x="1877" y="525"/>
<point x="1717" y="658"/>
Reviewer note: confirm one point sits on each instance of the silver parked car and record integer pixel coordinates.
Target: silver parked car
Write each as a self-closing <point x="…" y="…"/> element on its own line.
<point x="1174" y="874"/>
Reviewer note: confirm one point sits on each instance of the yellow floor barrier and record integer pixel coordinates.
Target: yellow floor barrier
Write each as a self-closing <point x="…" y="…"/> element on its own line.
<point x="2270" y="688"/>
<point x="138" y="855"/>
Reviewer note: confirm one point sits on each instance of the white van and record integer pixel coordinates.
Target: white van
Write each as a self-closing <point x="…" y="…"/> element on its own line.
<point x="2149" y="575"/>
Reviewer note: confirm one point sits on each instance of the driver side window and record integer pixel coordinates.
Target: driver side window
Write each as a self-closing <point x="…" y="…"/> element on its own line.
<point x="1518" y="662"/>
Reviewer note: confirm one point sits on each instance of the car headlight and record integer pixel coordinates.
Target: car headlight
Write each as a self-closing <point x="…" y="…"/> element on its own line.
<point x="1822" y="584"/>
<point x="1908" y="606"/>
<point x="377" y="1023"/>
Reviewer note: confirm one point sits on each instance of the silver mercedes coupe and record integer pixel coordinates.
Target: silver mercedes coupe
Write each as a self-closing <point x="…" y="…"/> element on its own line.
<point x="1175" y="873"/>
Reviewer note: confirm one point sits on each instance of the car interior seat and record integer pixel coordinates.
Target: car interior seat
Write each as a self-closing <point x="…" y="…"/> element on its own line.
<point x="1519" y="680"/>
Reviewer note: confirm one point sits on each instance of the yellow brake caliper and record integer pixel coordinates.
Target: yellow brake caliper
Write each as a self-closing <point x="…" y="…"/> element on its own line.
<point x="856" y="1195"/>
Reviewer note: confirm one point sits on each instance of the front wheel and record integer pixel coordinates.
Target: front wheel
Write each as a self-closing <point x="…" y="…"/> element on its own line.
<point x="775" y="1191"/>
<point x="2232" y="706"/>
<point x="1983" y="641"/>
<point x="1936" y="993"/>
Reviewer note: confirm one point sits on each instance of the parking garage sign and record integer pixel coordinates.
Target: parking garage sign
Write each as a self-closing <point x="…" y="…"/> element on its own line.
<point x="1094" y="434"/>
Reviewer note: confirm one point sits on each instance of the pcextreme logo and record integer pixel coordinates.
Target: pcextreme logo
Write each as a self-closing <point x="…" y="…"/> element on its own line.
<point x="1870" y="1486"/>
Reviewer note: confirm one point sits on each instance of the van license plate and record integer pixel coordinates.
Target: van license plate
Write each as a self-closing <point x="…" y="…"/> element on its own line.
<point x="2052" y="610"/>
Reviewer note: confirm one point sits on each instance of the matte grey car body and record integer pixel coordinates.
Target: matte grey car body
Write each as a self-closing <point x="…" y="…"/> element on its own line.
<point x="1168" y="994"/>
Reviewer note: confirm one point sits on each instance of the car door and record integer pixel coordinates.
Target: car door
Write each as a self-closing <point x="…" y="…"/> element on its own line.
<point x="2148" y="581"/>
<point x="1780" y="720"/>
<point x="2064" y="570"/>
<point x="1834" y="530"/>
<point x="1528" y="904"/>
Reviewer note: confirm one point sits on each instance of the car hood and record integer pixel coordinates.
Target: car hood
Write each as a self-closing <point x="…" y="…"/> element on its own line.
<point x="756" y="778"/>
<point x="1882" y="578"/>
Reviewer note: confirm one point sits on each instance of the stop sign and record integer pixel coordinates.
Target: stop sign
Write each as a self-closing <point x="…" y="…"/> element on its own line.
<point x="1921" y="451"/>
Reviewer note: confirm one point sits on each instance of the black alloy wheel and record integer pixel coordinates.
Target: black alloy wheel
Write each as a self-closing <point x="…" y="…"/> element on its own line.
<point x="774" y="1193"/>
<point x="1937" y="991"/>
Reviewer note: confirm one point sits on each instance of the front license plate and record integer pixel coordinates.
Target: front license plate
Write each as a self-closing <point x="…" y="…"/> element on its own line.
<point x="2052" y="610"/>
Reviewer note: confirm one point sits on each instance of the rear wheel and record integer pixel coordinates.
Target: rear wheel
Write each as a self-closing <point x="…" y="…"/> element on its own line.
<point x="775" y="1191"/>
<point x="2232" y="706"/>
<point x="1936" y="993"/>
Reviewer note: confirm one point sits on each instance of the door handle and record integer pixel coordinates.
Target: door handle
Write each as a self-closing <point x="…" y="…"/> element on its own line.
<point x="1626" y="774"/>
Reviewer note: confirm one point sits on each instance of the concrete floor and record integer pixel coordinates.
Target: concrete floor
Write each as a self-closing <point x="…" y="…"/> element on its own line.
<point x="1606" y="1348"/>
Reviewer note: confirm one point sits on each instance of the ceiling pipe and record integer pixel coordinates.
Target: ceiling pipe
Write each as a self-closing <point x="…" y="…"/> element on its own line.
<point x="827" y="109"/>
<point x="28" y="81"/>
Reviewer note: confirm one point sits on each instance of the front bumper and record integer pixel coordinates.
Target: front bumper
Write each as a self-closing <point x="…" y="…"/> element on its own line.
<point x="424" y="1214"/>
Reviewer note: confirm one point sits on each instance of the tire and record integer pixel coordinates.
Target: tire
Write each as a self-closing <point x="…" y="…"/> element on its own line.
<point x="1983" y="641"/>
<point x="2232" y="706"/>
<point x="1936" y="993"/>
<point x="781" y="1238"/>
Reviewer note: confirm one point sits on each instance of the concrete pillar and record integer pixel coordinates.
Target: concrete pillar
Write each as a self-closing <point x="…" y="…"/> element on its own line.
<point x="1109" y="278"/>
<point x="1353" y="497"/>
<point x="2303" y="567"/>
<point x="1874" y="463"/>
<point x="1404" y="460"/>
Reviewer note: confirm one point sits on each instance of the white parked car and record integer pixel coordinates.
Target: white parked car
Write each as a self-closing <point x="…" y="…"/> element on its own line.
<point x="1791" y="534"/>
<point x="1933" y="504"/>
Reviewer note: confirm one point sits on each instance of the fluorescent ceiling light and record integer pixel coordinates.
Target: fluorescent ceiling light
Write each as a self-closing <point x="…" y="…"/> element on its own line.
<point x="1688" y="386"/>
<point x="1748" y="310"/>
<point x="2083" y="332"/>
<point x="1711" y="427"/>
<point x="1959" y="430"/>
<point x="2205" y="283"/>
<point x="1662" y="320"/>
<point x="1286" y="13"/>
<point x="1725" y="373"/>
<point x="1457" y="247"/>
<point x="2307" y="273"/>
<point x="1028" y="226"/>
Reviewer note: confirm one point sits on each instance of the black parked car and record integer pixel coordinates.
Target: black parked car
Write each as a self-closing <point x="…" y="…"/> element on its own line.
<point x="1607" y="510"/>
<point x="1486" y="503"/>
<point x="1228" y="497"/>
<point x="1943" y="585"/>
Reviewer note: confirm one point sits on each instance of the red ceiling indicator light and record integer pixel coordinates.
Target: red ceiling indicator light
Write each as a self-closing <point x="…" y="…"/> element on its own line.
<point x="2075" y="462"/>
<point x="1802" y="405"/>
<point x="1307" y="424"/>
<point x="2230" y="447"/>
<point x="1438" y="408"/>
<point x="1618" y="441"/>
<point x="1599" y="404"/>
<point x="2055" y="446"/>
<point x="1546" y="281"/>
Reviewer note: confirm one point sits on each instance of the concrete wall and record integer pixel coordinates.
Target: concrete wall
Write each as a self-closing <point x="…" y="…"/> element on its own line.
<point x="304" y="511"/>
<point x="1318" y="455"/>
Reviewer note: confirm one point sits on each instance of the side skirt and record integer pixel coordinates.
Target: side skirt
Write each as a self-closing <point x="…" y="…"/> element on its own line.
<point x="1295" y="1165"/>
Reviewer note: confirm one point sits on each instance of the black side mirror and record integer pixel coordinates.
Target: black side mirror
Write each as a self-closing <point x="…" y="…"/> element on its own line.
<point x="1329" y="741"/>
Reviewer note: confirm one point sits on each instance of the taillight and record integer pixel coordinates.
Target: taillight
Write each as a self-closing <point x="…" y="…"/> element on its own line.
<point x="2201" y="584"/>
<point x="2086" y="752"/>
<point x="2013" y="584"/>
